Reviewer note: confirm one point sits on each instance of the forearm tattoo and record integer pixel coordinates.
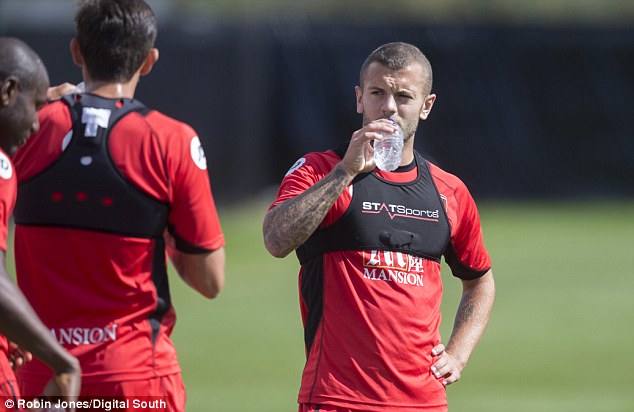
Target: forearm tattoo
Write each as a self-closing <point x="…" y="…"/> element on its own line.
<point x="290" y="224"/>
<point x="472" y="318"/>
<point x="465" y="310"/>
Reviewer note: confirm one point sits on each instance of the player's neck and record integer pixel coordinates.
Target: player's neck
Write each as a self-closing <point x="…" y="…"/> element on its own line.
<point x="408" y="152"/>
<point x="112" y="90"/>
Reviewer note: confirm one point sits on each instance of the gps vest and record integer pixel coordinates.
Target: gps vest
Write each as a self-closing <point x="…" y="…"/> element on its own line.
<point x="83" y="188"/>
<point x="383" y="215"/>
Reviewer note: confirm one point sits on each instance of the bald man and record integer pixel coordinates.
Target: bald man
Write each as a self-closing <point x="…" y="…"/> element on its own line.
<point x="23" y="90"/>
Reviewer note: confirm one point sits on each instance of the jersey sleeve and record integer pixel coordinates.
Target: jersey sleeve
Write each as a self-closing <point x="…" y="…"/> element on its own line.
<point x="46" y="144"/>
<point x="466" y="254"/>
<point x="8" y="191"/>
<point x="193" y="219"/>
<point x="304" y="173"/>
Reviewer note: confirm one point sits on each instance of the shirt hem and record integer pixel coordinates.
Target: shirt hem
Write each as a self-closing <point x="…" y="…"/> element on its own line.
<point x="371" y="407"/>
<point x="109" y="376"/>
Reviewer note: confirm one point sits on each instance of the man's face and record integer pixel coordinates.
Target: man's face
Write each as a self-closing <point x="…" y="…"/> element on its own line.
<point x="19" y="119"/>
<point x="399" y="95"/>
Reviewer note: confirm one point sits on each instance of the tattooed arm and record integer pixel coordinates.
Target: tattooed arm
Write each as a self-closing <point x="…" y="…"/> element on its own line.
<point x="289" y="224"/>
<point x="472" y="318"/>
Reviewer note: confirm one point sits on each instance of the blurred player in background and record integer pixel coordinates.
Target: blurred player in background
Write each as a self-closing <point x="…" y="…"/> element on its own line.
<point x="370" y="244"/>
<point x="110" y="189"/>
<point x="23" y="87"/>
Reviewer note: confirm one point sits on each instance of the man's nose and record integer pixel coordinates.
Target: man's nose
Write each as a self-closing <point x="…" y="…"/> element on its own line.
<point x="389" y="105"/>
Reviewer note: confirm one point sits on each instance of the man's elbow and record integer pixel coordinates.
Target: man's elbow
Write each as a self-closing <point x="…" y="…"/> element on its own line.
<point x="274" y="248"/>
<point x="272" y="238"/>
<point x="211" y="291"/>
<point x="204" y="273"/>
<point x="215" y="279"/>
<point x="212" y="285"/>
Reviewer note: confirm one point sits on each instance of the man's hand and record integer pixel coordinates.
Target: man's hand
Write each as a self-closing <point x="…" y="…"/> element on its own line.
<point x="446" y="366"/>
<point x="59" y="91"/>
<point x="65" y="385"/>
<point x="18" y="356"/>
<point x="359" y="157"/>
<point x="472" y="317"/>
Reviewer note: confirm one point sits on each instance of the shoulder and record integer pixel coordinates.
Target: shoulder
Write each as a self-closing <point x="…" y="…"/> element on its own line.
<point x="54" y="114"/>
<point x="7" y="175"/>
<point x="304" y="173"/>
<point x="174" y="138"/>
<point x="55" y="107"/>
<point x="163" y="124"/>
<point x="46" y="144"/>
<point x="159" y="126"/>
<point x="447" y="183"/>
<point x="8" y="192"/>
<point x="453" y="191"/>
<point x="6" y="166"/>
<point x="318" y="163"/>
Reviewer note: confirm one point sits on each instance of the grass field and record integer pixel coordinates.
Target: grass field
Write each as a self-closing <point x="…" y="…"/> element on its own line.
<point x="560" y="338"/>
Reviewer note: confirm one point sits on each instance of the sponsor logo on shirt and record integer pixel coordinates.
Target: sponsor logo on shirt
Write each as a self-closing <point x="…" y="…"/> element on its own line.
<point x="85" y="336"/>
<point x="392" y="266"/>
<point x="6" y="171"/>
<point x="198" y="154"/>
<point x="296" y="166"/>
<point x="400" y="211"/>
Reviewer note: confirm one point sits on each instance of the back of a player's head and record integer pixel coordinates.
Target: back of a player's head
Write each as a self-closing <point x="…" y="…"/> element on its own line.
<point x="397" y="56"/>
<point x="115" y="37"/>
<point x="19" y="60"/>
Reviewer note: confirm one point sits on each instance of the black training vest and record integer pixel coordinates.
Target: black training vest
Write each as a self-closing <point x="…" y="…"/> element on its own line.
<point x="83" y="188"/>
<point x="383" y="215"/>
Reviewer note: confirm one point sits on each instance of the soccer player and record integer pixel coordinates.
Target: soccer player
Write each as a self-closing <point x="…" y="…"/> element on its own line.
<point x="370" y="244"/>
<point x="109" y="188"/>
<point x="23" y="87"/>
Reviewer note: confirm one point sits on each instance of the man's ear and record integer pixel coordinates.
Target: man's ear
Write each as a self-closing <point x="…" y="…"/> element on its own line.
<point x="358" y="92"/>
<point x="427" y="105"/>
<point x="75" y="51"/>
<point x="152" y="57"/>
<point x="9" y="90"/>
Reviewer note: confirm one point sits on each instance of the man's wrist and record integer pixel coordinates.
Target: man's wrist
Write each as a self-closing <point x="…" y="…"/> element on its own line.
<point x="64" y="362"/>
<point x="341" y="168"/>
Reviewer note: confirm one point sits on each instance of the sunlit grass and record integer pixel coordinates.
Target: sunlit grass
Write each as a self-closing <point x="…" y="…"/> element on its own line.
<point x="559" y="339"/>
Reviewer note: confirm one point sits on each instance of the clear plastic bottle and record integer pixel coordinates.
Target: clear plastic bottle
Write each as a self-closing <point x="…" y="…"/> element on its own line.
<point x="388" y="152"/>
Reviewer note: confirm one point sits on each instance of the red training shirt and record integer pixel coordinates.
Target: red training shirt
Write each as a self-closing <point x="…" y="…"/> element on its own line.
<point x="94" y="290"/>
<point x="8" y="192"/>
<point x="372" y="346"/>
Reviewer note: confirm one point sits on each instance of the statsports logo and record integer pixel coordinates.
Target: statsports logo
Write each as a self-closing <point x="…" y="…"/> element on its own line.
<point x="389" y="266"/>
<point x="394" y="211"/>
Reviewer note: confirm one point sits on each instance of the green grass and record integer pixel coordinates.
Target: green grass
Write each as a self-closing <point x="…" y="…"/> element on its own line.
<point x="244" y="350"/>
<point x="560" y="338"/>
<point x="562" y="329"/>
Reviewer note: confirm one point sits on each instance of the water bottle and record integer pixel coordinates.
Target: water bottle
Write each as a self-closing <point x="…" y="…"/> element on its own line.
<point x="388" y="152"/>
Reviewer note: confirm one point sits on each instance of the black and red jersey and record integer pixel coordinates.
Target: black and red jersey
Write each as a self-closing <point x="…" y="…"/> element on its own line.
<point x="8" y="191"/>
<point x="370" y="283"/>
<point x="97" y="280"/>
